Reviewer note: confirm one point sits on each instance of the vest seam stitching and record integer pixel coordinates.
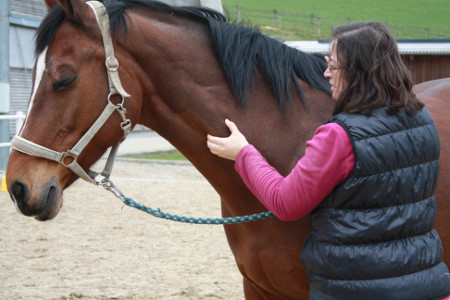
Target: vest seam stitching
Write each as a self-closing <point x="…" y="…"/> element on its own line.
<point x="382" y="242"/>
<point x="381" y="207"/>
<point x="381" y="278"/>
<point x="394" y="132"/>
<point x="395" y="169"/>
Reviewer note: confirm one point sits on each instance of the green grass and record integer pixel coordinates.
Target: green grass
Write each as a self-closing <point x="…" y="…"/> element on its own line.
<point x="412" y="15"/>
<point x="166" y="155"/>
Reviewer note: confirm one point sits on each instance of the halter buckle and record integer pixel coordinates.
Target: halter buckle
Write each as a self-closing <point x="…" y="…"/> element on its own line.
<point x="112" y="64"/>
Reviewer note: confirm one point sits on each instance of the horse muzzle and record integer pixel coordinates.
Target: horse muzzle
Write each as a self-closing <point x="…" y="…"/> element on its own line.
<point x="43" y="206"/>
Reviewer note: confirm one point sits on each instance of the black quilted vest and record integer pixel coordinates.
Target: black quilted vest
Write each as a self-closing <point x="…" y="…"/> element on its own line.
<point x="373" y="236"/>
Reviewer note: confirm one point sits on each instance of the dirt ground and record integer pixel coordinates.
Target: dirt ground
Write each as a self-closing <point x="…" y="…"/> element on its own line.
<point x="97" y="248"/>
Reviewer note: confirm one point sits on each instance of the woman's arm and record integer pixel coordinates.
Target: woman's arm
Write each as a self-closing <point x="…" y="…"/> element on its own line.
<point x="327" y="162"/>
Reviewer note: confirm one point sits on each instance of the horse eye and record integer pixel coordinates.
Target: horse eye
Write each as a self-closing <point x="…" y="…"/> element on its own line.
<point x="63" y="82"/>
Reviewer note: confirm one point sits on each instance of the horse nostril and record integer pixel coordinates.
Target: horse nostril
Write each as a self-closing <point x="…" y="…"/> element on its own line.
<point x="52" y="193"/>
<point x="19" y="193"/>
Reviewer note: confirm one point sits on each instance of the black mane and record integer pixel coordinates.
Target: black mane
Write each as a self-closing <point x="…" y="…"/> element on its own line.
<point x="239" y="48"/>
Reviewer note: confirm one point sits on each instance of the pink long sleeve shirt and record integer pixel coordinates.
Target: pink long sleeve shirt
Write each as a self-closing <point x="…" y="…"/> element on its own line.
<point x="328" y="160"/>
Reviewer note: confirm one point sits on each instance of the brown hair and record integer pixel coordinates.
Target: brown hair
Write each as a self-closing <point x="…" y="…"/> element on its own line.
<point x="373" y="71"/>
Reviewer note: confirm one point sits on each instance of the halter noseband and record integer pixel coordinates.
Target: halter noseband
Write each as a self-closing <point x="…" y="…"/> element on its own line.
<point x="69" y="157"/>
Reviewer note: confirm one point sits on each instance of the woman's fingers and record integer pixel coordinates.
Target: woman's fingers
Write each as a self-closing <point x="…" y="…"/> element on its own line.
<point x="233" y="128"/>
<point x="227" y="147"/>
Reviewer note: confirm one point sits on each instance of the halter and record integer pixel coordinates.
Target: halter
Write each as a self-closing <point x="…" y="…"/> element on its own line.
<point x="69" y="158"/>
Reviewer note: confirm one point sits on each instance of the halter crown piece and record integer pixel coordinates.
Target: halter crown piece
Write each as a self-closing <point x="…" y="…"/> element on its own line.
<point x="69" y="157"/>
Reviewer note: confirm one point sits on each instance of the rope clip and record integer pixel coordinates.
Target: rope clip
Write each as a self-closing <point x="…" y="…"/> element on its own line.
<point x="110" y="186"/>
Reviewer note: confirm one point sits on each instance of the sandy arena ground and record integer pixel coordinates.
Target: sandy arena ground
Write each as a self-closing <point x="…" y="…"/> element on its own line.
<point x="98" y="249"/>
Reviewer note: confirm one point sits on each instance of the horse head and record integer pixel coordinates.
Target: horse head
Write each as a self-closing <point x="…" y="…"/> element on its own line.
<point x="70" y="92"/>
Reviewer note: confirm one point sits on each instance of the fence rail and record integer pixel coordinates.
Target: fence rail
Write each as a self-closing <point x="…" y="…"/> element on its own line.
<point x="317" y="26"/>
<point x="19" y="117"/>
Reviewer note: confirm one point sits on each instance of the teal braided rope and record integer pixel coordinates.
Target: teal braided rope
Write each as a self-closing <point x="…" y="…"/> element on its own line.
<point x="217" y="221"/>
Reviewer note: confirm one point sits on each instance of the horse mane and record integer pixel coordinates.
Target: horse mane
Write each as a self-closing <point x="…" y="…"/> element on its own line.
<point x="240" y="49"/>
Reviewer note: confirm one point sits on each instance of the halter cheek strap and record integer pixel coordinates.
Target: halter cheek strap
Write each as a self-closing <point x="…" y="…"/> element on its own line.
<point x="111" y="62"/>
<point x="69" y="158"/>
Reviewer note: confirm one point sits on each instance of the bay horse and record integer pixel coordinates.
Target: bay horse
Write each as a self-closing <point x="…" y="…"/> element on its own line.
<point x="182" y="72"/>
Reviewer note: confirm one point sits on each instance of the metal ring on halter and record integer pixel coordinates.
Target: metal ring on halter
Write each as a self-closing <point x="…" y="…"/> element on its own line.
<point x="115" y="93"/>
<point x="112" y="64"/>
<point x="65" y="155"/>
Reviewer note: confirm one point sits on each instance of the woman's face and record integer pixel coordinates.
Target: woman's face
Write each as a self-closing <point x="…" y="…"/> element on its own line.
<point x="333" y="72"/>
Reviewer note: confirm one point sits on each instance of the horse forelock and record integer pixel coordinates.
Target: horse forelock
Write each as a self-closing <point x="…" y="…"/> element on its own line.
<point x="240" y="49"/>
<point x="48" y="28"/>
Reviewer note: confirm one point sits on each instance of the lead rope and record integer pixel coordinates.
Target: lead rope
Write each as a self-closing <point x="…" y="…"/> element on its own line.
<point x="110" y="186"/>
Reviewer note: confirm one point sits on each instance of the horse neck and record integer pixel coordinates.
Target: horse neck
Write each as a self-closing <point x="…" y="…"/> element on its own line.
<point x="187" y="96"/>
<point x="180" y="81"/>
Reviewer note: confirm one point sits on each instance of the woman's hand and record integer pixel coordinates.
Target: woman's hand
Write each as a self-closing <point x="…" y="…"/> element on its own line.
<point x="227" y="147"/>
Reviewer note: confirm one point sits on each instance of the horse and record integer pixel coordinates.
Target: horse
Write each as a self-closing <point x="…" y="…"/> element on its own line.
<point x="435" y="95"/>
<point x="182" y="71"/>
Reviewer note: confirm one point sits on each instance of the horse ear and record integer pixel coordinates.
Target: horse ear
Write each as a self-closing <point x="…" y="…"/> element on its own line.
<point x="50" y="4"/>
<point x="75" y="9"/>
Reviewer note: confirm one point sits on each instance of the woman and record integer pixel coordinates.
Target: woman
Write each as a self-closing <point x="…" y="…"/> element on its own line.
<point x="368" y="178"/>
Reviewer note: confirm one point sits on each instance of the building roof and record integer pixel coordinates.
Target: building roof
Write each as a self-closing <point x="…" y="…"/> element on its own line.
<point x="406" y="47"/>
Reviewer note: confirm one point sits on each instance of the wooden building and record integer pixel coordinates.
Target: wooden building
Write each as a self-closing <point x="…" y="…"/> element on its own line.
<point x="427" y="59"/>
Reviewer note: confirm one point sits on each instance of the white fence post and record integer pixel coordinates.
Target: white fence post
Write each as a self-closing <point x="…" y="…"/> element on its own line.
<point x="19" y="117"/>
